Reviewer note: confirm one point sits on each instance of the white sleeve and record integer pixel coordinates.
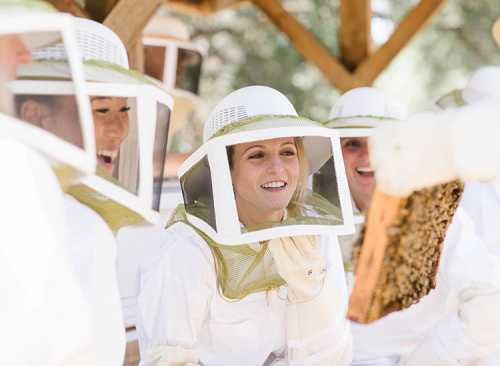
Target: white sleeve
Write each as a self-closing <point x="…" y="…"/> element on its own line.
<point x="173" y="302"/>
<point x="317" y="331"/>
<point x="434" y="148"/>
<point x="472" y="333"/>
<point x="93" y="254"/>
<point x="458" y="340"/>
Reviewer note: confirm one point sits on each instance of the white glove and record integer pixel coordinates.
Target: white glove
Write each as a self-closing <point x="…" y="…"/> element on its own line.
<point x="412" y="155"/>
<point x="300" y="263"/>
<point x="434" y="148"/>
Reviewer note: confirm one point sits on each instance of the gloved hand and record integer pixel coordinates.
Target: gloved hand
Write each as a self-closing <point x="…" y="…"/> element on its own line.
<point x="435" y="148"/>
<point x="300" y="263"/>
<point x="412" y="155"/>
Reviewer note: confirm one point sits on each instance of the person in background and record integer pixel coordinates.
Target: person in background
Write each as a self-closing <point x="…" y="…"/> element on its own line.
<point x="449" y="325"/>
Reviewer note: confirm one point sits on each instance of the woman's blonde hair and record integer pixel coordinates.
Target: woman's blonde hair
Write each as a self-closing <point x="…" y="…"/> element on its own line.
<point x="300" y="191"/>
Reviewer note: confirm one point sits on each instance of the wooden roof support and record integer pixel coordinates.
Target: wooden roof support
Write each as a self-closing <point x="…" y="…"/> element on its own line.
<point x="99" y="9"/>
<point x="369" y="70"/>
<point x="128" y="19"/>
<point x="69" y="6"/>
<point x="136" y="54"/>
<point x="305" y="42"/>
<point x="355" y="32"/>
<point x="204" y="7"/>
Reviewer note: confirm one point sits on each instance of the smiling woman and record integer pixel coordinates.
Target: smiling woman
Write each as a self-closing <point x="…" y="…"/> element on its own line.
<point x="266" y="174"/>
<point x="250" y="273"/>
<point x="360" y="175"/>
<point x="111" y="123"/>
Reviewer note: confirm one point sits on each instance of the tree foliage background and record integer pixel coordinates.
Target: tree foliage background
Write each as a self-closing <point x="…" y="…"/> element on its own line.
<point x="245" y="48"/>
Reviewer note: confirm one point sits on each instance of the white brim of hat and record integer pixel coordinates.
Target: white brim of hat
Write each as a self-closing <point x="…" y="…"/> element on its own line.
<point x="39" y="40"/>
<point x="317" y="148"/>
<point x="94" y="71"/>
<point x="358" y="122"/>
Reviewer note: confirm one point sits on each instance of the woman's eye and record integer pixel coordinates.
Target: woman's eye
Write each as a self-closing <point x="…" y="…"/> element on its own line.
<point x="352" y="144"/>
<point x="288" y="153"/>
<point x="125" y="109"/>
<point x="102" y="110"/>
<point x="257" y="155"/>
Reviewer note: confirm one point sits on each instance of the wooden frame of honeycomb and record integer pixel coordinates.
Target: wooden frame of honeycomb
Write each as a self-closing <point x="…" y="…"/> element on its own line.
<point x="397" y="256"/>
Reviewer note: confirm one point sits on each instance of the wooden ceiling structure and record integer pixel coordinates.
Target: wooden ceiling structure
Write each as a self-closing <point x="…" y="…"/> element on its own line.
<point x="358" y="65"/>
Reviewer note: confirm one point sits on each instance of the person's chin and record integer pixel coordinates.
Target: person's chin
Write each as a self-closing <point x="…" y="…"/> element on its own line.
<point x="276" y="205"/>
<point x="366" y="182"/>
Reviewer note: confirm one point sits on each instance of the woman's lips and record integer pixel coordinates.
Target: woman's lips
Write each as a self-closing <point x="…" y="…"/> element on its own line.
<point x="366" y="175"/>
<point x="274" y="186"/>
<point x="106" y="159"/>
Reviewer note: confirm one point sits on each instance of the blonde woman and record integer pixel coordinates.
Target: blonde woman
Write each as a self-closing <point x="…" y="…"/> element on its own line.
<point x="269" y="302"/>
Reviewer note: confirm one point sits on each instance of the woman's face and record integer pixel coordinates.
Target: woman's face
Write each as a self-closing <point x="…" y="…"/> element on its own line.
<point x="57" y="114"/>
<point x="265" y="175"/>
<point x="111" y="123"/>
<point x="360" y="176"/>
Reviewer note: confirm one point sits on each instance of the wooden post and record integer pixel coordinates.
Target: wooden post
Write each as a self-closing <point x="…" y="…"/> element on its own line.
<point x="129" y="17"/>
<point x="69" y="6"/>
<point x="355" y="32"/>
<point x="205" y="7"/>
<point x="411" y="24"/>
<point x="305" y="42"/>
<point x="136" y="55"/>
<point x="99" y="9"/>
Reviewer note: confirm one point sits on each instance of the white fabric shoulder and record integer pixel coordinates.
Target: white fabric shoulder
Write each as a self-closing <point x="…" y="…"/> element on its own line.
<point x="181" y="281"/>
<point x="43" y="314"/>
<point x="92" y="249"/>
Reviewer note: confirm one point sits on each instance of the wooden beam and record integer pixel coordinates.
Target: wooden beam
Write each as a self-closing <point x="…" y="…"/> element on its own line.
<point x="205" y="7"/>
<point x="129" y="17"/>
<point x="69" y="6"/>
<point x="355" y="32"/>
<point x="369" y="70"/>
<point x="99" y="9"/>
<point x="305" y="42"/>
<point x="224" y="4"/>
<point x="136" y="55"/>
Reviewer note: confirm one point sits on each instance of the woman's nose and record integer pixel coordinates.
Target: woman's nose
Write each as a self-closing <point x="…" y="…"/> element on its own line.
<point x="364" y="153"/>
<point x="118" y="127"/>
<point x="276" y="164"/>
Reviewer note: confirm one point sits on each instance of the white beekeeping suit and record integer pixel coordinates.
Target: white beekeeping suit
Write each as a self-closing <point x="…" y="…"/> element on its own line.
<point x="215" y="294"/>
<point x="44" y="315"/>
<point x="449" y="326"/>
<point x="130" y="114"/>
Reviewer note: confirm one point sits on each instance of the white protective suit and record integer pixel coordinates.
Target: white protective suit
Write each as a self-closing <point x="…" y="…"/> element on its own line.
<point x="44" y="317"/>
<point x="455" y="324"/>
<point x="183" y="318"/>
<point x="458" y="143"/>
<point x="482" y="203"/>
<point x="93" y="255"/>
